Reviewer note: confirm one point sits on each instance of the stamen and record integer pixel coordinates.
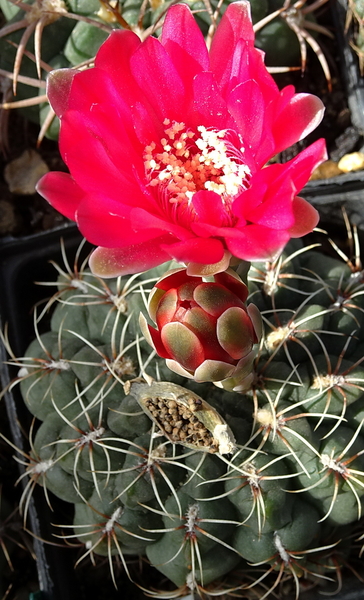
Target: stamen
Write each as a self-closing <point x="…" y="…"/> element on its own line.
<point x="193" y="161"/>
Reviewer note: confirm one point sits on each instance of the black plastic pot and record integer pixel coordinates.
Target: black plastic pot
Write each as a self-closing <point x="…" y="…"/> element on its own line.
<point x="23" y="262"/>
<point x="328" y="195"/>
<point x="354" y="83"/>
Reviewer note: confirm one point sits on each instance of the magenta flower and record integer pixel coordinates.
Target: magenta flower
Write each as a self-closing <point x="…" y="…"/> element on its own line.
<point x="167" y="146"/>
<point x="204" y="329"/>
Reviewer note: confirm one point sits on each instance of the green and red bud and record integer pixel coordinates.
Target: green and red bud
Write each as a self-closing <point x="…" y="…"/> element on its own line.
<point x="204" y="330"/>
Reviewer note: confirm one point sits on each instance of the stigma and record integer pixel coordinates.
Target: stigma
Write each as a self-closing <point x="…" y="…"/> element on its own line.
<point x="184" y="162"/>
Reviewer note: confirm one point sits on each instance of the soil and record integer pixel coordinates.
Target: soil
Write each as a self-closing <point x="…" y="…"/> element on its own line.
<point x="27" y="214"/>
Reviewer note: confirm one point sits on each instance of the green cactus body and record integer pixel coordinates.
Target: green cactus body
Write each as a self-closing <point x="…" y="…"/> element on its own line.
<point x="203" y="481"/>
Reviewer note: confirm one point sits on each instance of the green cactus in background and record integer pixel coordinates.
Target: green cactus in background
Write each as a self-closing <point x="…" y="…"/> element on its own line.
<point x="42" y="35"/>
<point x="220" y="490"/>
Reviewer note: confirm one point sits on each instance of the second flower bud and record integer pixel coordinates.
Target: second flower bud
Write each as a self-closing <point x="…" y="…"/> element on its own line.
<point x="204" y="329"/>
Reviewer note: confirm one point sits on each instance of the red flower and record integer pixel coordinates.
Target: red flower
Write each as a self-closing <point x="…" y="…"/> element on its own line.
<point x="166" y="144"/>
<point x="204" y="329"/>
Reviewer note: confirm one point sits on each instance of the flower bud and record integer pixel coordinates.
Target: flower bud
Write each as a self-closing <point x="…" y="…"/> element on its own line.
<point x="204" y="329"/>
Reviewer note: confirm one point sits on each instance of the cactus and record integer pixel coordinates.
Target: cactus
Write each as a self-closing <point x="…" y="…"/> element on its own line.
<point x="220" y="490"/>
<point x="44" y="35"/>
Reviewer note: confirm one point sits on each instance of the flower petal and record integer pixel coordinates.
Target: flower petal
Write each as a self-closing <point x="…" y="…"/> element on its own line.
<point x="184" y="42"/>
<point x="246" y="104"/>
<point x="114" y="58"/>
<point x="62" y="192"/>
<point x="152" y="336"/>
<point x="215" y="299"/>
<point x="234" y="332"/>
<point x="306" y="217"/>
<point x="159" y="79"/>
<point x="301" y="166"/>
<point x="213" y="370"/>
<point x="256" y="242"/>
<point x="209" y="207"/>
<point x="112" y="262"/>
<point x="88" y="158"/>
<point x="208" y="103"/>
<point x="183" y="345"/>
<point x="301" y="116"/>
<point x="204" y="251"/>
<point x="235" y="25"/>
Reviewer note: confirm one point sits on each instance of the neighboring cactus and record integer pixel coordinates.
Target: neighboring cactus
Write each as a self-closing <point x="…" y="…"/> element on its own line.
<point x="44" y="35"/>
<point x="266" y="485"/>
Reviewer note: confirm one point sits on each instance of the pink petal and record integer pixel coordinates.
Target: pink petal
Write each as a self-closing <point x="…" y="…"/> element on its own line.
<point x="300" y="168"/>
<point x="253" y="197"/>
<point x="208" y="103"/>
<point x="205" y="230"/>
<point x="205" y="250"/>
<point x="246" y="104"/>
<point x="95" y="94"/>
<point x="59" y="84"/>
<point x="209" y="207"/>
<point x="62" y="192"/>
<point x="184" y="42"/>
<point x="143" y="219"/>
<point x="146" y="124"/>
<point x="249" y="64"/>
<point x="89" y="160"/>
<point x="275" y="210"/>
<point x="114" y="58"/>
<point x="102" y="219"/>
<point x="257" y="243"/>
<point x="235" y="25"/>
<point x="306" y="217"/>
<point x="112" y="262"/>
<point x="301" y="116"/>
<point x="157" y="76"/>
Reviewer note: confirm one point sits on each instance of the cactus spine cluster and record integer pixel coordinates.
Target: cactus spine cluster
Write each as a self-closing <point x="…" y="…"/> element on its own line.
<point x="219" y="490"/>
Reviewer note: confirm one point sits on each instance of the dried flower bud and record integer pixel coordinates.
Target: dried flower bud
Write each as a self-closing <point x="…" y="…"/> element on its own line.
<point x="184" y="417"/>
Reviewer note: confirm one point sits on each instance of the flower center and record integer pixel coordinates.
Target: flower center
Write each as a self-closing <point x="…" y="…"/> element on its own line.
<point x="185" y="162"/>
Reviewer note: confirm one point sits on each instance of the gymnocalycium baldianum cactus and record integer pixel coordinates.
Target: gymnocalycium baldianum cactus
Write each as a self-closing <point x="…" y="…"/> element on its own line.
<point x="240" y="469"/>
<point x="220" y="490"/>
